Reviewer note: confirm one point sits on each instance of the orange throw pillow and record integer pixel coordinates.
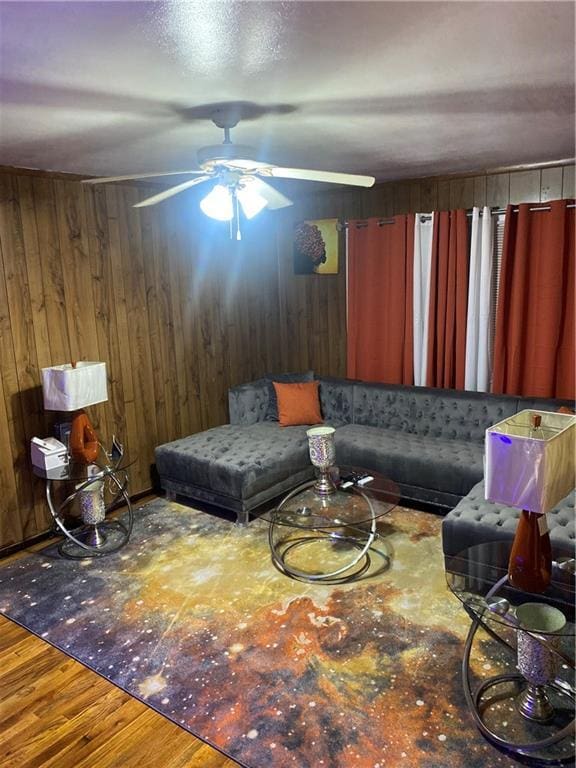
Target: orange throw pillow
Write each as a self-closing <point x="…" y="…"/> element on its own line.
<point x="298" y="403"/>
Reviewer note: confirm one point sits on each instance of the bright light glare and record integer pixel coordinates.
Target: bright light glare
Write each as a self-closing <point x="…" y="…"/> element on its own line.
<point x="252" y="203"/>
<point x="218" y="204"/>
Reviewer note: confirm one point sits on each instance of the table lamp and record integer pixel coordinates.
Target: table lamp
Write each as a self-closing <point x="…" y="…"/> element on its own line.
<point x="73" y="387"/>
<point x="530" y="464"/>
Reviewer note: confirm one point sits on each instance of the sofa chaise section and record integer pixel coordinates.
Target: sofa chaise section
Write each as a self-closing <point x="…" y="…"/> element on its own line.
<point x="235" y="467"/>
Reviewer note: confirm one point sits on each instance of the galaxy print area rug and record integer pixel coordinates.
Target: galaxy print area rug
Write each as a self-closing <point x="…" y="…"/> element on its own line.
<point x="192" y="618"/>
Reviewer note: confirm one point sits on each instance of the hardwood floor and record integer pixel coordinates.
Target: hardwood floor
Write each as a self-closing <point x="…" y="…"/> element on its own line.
<point x="56" y="713"/>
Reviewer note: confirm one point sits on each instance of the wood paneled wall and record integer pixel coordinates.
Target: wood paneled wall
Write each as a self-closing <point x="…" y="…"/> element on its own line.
<point x="177" y="310"/>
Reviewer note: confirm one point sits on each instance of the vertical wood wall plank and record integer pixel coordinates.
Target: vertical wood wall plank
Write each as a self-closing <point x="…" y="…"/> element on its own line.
<point x="185" y="275"/>
<point x="462" y="193"/>
<point x="479" y="191"/>
<point x="37" y="354"/>
<point x="52" y="272"/>
<point x="415" y="197"/>
<point x="525" y="187"/>
<point x="402" y="197"/>
<point x="429" y="196"/>
<point x="180" y="372"/>
<point x="498" y="190"/>
<point x="14" y="491"/>
<point x="11" y="519"/>
<point x="19" y="360"/>
<point x="138" y="342"/>
<point x="34" y="270"/>
<point x="443" y="195"/>
<point x="568" y="182"/>
<point x="72" y="232"/>
<point x="551" y="184"/>
<point x="113" y="414"/>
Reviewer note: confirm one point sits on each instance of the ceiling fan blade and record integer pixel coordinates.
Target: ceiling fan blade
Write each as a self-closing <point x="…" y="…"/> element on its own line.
<point x="273" y="198"/>
<point x="107" y="179"/>
<point x="246" y="165"/>
<point x="326" y="176"/>
<point x="170" y="192"/>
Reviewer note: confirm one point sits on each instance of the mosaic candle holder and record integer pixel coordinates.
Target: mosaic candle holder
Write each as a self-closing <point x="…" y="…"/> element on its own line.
<point x="93" y="511"/>
<point x="322" y="455"/>
<point x="536" y="660"/>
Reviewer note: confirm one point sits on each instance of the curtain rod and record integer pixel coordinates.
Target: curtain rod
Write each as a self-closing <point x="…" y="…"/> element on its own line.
<point x="427" y="216"/>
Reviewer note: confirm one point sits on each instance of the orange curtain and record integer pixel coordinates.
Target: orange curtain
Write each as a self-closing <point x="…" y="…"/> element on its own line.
<point x="446" y="356"/>
<point x="380" y="330"/>
<point x="534" y="343"/>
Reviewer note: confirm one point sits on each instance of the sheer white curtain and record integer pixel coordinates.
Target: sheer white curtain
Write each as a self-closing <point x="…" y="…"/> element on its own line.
<point x="423" y="231"/>
<point x="480" y="303"/>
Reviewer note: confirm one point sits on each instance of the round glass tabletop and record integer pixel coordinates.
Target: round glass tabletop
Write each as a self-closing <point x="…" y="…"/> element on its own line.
<point x="477" y="576"/>
<point x="359" y="497"/>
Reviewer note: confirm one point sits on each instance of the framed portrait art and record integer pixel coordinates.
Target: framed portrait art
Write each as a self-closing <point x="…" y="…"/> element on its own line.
<point x="316" y="245"/>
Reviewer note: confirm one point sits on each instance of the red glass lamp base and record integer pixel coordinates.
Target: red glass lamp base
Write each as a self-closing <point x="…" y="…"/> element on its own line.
<point x="530" y="564"/>
<point x="83" y="440"/>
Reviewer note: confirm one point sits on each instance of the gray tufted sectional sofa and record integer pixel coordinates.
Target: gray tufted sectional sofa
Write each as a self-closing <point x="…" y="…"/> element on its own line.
<point x="430" y="441"/>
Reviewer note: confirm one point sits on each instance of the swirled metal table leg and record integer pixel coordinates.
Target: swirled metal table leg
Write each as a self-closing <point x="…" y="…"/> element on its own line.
<point x="346" y="571"/>
<point x="86" y="549"/>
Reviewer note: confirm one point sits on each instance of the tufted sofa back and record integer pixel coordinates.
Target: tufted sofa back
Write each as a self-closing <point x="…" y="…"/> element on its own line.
<point x="455" y="415"/>
<point x="337" y="401"/>
<point x="248" y="403"/>
<point x="443" y="413"/>
<point x="426" y="411"/>
<point x="429" y="412"/>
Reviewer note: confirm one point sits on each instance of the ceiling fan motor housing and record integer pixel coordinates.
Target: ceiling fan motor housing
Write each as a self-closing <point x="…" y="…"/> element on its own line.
<point x="209" y="156"/>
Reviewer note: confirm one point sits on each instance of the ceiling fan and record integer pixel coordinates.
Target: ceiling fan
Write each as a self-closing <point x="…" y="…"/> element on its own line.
<point x="239" y="178"/>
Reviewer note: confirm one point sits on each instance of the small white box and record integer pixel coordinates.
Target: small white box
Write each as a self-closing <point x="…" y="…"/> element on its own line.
<point x="48" y="453"/>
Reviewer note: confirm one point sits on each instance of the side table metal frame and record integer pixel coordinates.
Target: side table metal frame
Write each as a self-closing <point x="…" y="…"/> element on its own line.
<point x="119" y="478"/>
<point x="473" y="698"/>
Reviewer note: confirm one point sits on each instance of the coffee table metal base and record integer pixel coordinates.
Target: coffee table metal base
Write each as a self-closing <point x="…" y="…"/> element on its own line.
<point x="352" y="542"/>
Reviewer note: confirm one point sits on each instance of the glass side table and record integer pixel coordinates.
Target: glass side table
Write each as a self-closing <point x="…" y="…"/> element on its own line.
<point x="93" y="497"/>
<point x="530" y="710"/>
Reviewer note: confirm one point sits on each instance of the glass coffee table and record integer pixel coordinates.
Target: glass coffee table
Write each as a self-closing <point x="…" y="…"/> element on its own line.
<point x="331" y="538"/>
<point x="530" y="717"/>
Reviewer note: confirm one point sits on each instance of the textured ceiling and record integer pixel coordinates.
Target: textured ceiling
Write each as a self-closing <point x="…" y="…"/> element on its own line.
<point x="392" y="89"/>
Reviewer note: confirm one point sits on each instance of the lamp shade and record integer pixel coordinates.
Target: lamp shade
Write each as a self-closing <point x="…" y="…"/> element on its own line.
<point x="530" y="462"/>
<point x="252" y="203"/>
<point x="68" y="389"/>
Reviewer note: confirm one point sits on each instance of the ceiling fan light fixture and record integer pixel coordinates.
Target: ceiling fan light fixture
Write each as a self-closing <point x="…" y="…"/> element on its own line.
<point x="252" y="203"/>
<point x="218" y="204"/>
